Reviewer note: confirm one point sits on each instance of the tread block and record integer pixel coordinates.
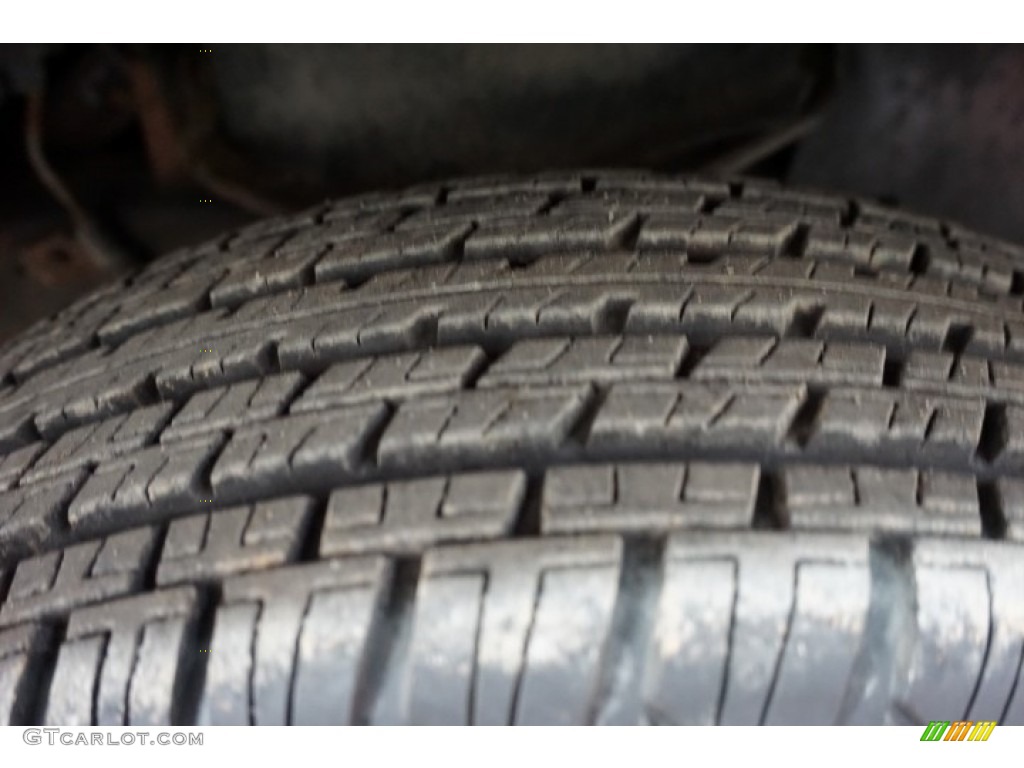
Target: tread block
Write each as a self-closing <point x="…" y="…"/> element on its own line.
<point x="230" y="541"/>
<point x="898" y="425"/>
<point x="392" y="377"/>
<point x="529" y="238"/>
<point x="358" y="259"/>
<point x="274" y="226"/>
<point x="932" y="324"/>
<point x="963" y="375"/>
<point x="189" y="332"/>
<point x="1010" y="455"/>
<point x="59" y="344"/>
<point x="54" y="583"/>
<point x="601" y="360"/>
<point x="528" y="647"/>
<point x="16" y="425"/>
<point x="14" y="464"/>
<point x="410" y="515"/>
<point x="319" y="618"/>
<point x="644" y="201"/>
<point x="473" y="210"/>
<point x="969" y="630"/>
<point x="21" y="664"/>
<point x="147" y="308"/>
<point x="871" y="250"/>
<point x="281" y="272"/>
<point x="631" y="180"/>
<point x="892" y="500"/>
<point x="641" y="497"/>
<point x="972" y="633"/>
<point x="878" y="320"/>
<point x="356" y="332"/>
<point x="118" y="389"/>
<point x="226" y="359"/>
<point x="119" y="663"/>
<point x="93" y="443"/>
<point x="343" y="222"/>
<point x="508" y="314"/>
<point x="752" y="359"/>
<point x="33" y="516"/>
<point x="483" y="187"/>
<point x="273" y="455"/>
<point x="233" y="406"/>
<point x="1011" y="494"/>
<point x="140" y="487"/>
<point x="702" y="234"/>
<point x="365" y="206"/>
<point x="485" y="422"/>
<point x="755" y="628"/>
<point x="695" y="415"/>
<point x="824" y="211"/>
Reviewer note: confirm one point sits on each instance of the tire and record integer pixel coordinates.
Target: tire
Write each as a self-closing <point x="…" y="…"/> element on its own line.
<point x="607" y="448"/>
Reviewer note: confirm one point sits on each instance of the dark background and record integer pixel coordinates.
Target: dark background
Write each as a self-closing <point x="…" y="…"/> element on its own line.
<point x="112" y="154"/>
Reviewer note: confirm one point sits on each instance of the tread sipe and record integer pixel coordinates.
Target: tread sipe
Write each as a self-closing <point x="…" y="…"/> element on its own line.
<point x="598" y="448"/>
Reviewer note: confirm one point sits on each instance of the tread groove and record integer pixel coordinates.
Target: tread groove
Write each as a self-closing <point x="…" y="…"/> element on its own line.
<point x="770" y="512"/>
<point x="994" y="432"/>
<point x="517" y="687"/>
<point x="39" y="696"/>
<point x="986" y="652"/>
<point x="881" y="658"/>
<point x="990" y="504"/>
<point x="1013" y="688"/>
<point x="777" y="670"/>
<point x="619" y="697"/>
<point x="192" y="677"/>
<point x="389" y="642"/>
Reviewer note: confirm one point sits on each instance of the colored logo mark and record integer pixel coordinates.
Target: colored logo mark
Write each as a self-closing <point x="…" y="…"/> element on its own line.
<point x="961" y="730"/>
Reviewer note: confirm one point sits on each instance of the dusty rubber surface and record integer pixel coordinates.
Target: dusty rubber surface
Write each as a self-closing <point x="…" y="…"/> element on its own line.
<point x="596" y="448"/>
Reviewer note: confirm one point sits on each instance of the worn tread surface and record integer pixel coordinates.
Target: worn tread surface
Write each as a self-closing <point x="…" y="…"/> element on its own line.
<point x="597" y="448"/>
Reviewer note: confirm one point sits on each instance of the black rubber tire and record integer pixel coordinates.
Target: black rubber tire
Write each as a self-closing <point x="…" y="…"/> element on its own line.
<point x="597" y="448"/>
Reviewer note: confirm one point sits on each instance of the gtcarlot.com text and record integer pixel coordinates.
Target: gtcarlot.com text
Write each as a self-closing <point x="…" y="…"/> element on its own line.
<point x="71" y="738"/>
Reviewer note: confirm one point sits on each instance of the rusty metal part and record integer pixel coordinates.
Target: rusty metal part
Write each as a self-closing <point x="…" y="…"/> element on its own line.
<point x="763" y="146"/>
<point x="167" y="156"/>
<point x="183" y="144"/>
<point x="95" y="244"/>
<point x="58" y="259"/>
